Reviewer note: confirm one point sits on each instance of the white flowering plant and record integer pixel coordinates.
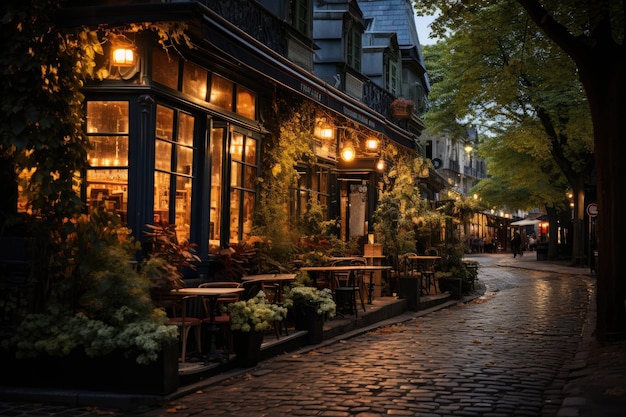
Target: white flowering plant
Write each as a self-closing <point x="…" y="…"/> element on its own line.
<point x="321" y="299"/>
<point x="257" y="313"/>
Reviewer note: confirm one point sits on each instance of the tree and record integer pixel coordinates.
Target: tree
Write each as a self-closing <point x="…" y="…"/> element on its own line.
<point x="592" y="35"/>
<point x="510" y="73"/>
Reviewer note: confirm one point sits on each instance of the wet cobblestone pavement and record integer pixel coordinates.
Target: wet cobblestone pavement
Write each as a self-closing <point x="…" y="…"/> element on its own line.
<point x="507" y="353"/>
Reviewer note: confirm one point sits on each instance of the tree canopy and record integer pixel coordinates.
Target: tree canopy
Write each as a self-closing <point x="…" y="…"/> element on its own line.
<point x="592" y="35"/>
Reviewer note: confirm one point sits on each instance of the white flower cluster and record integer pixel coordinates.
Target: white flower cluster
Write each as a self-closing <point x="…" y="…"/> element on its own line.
<point x="256" y="313"/>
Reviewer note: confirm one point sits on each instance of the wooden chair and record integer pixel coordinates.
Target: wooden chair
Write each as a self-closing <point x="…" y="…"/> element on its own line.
<point x="428" y="273"/>
<point x="175" y="306"/>
<point x="348" y="286"/>
<point x="222" y="320"/>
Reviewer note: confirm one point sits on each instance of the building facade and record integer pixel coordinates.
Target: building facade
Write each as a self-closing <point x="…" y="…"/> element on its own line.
<point x="178" y="130"/>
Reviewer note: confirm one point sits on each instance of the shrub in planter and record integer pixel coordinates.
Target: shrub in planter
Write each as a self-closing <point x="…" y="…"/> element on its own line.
<point x="98" y="306"/>
<point x="310" y="307"/>
<point x="249" y="319"/>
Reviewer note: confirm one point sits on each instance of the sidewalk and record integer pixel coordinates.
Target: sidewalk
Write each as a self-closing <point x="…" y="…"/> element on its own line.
<point x="596" y="378"/>
<point x="596" y="384"/>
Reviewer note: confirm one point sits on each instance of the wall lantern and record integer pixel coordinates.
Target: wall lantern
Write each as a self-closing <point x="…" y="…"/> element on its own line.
<point x="123" y="56"/>
<point x="380" y="164"/>
<point x="347" y="152"/>
<point x="371" y="143"/>
<point x="323" y="129"/>
<point x="468" y="148"/>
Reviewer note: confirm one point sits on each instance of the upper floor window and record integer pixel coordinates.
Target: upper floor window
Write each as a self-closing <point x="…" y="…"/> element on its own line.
<point x="353" y="47"/>
<point x="193" y="81"/>
<point x="301" y="16"/>
<point x="165" y="68"/>
<point x="391" y="76"/>
<point x="223" y="91"/>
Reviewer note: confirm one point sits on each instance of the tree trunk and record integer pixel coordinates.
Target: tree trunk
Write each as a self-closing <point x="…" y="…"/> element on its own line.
<point x="606" y="89"/>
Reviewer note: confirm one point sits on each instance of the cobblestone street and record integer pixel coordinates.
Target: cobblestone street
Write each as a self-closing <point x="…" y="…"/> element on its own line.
<point x="503" y="354"/>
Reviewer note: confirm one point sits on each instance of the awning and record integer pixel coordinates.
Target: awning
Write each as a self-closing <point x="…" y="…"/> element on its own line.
<point x="233" y="42"/>
<point x="525" y="222"/>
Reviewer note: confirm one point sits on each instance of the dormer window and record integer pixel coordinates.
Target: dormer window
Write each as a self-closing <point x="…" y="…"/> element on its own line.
<point x="353" y="47"/>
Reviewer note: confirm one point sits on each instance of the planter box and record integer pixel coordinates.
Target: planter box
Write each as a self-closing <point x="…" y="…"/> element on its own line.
<point x="112" y="373"/>
<point x="306" y="318"/>
<point x="409" y="289"/>
<point x="247" y="347"/>
<point x="453" y="285"/>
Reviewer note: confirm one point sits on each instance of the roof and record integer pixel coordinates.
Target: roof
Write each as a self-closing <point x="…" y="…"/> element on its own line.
<point x="394" y="16"/>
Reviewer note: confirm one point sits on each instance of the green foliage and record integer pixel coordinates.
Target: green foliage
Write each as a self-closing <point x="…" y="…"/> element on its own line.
<point x="290" y="144"/>
<point x="43" y="69"/>
<point x="401" y="213"/>
<point x="321" y="299"/>
<point x="254" y="314"/>
<point x="168" y="257"/>
<point x="98" y="301"/>
<point x="511" y="73"/>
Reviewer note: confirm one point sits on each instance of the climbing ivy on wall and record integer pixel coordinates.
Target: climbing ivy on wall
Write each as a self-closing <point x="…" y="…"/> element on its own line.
<point x="290" y="142"/>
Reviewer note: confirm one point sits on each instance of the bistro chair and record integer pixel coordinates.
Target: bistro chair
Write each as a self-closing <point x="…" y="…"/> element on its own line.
<point x="348" y="285"/>
<point x="176" y="307"/>
<point x="428" y="273"/>
<point x="222" y="320"/>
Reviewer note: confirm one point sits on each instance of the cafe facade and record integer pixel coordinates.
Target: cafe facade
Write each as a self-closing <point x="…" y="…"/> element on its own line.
<point x="178" y="129"/>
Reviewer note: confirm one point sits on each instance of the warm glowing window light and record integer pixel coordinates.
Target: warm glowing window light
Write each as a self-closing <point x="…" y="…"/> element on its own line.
<point x="123" y="56"/>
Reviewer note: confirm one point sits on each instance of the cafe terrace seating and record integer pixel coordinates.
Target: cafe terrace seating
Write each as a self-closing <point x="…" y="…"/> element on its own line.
<point x="222" y="320"/>
<point x="348" y="285"/>
<point x="176" y="307"/>
<point x="428" y="273"/>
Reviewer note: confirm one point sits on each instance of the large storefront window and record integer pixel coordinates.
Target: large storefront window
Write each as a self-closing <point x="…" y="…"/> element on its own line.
<point x="173" y="176"/>
<point x="243" y="174"/>
<point x="107" y="178"/>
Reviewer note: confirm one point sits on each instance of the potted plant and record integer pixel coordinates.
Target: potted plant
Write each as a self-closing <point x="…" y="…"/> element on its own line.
<point x="167" y="258"/>
<point x="249" y="319"/>
<point x="310" y="307"/>
<point x="401" y="108"/>
<point x="98" y="322"/>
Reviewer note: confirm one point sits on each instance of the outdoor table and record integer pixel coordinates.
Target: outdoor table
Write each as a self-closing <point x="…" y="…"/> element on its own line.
<point x="213" y="294"/>
<point x="279" y="279"/>
<point x="329" y="270"/>
<point x="427" y="263"/>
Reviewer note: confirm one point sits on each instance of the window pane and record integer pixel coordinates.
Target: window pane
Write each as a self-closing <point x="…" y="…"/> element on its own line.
<point x="235" y="174"/>
<point x="183" y="208"/>
<point x="221" y="92"/>
<point x="108" y="151"/>
<point x="107" y="117"/>
<point x="250" y="151"/>
<point x="163" y="156"/>
<point x="194" y="80"/>
<point x="165" y="123"/>
<point x="164" y="68"/>
<point x="184" y="162"/>
<point x="235" y="196"/>
<point x="250" y="177"/>
<point x="185" y="129"/>
<point x="236" y="146"/>
<point x="248" y="214"/>
<point x="161" y="197"/>
<point x="246" y="100"/>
